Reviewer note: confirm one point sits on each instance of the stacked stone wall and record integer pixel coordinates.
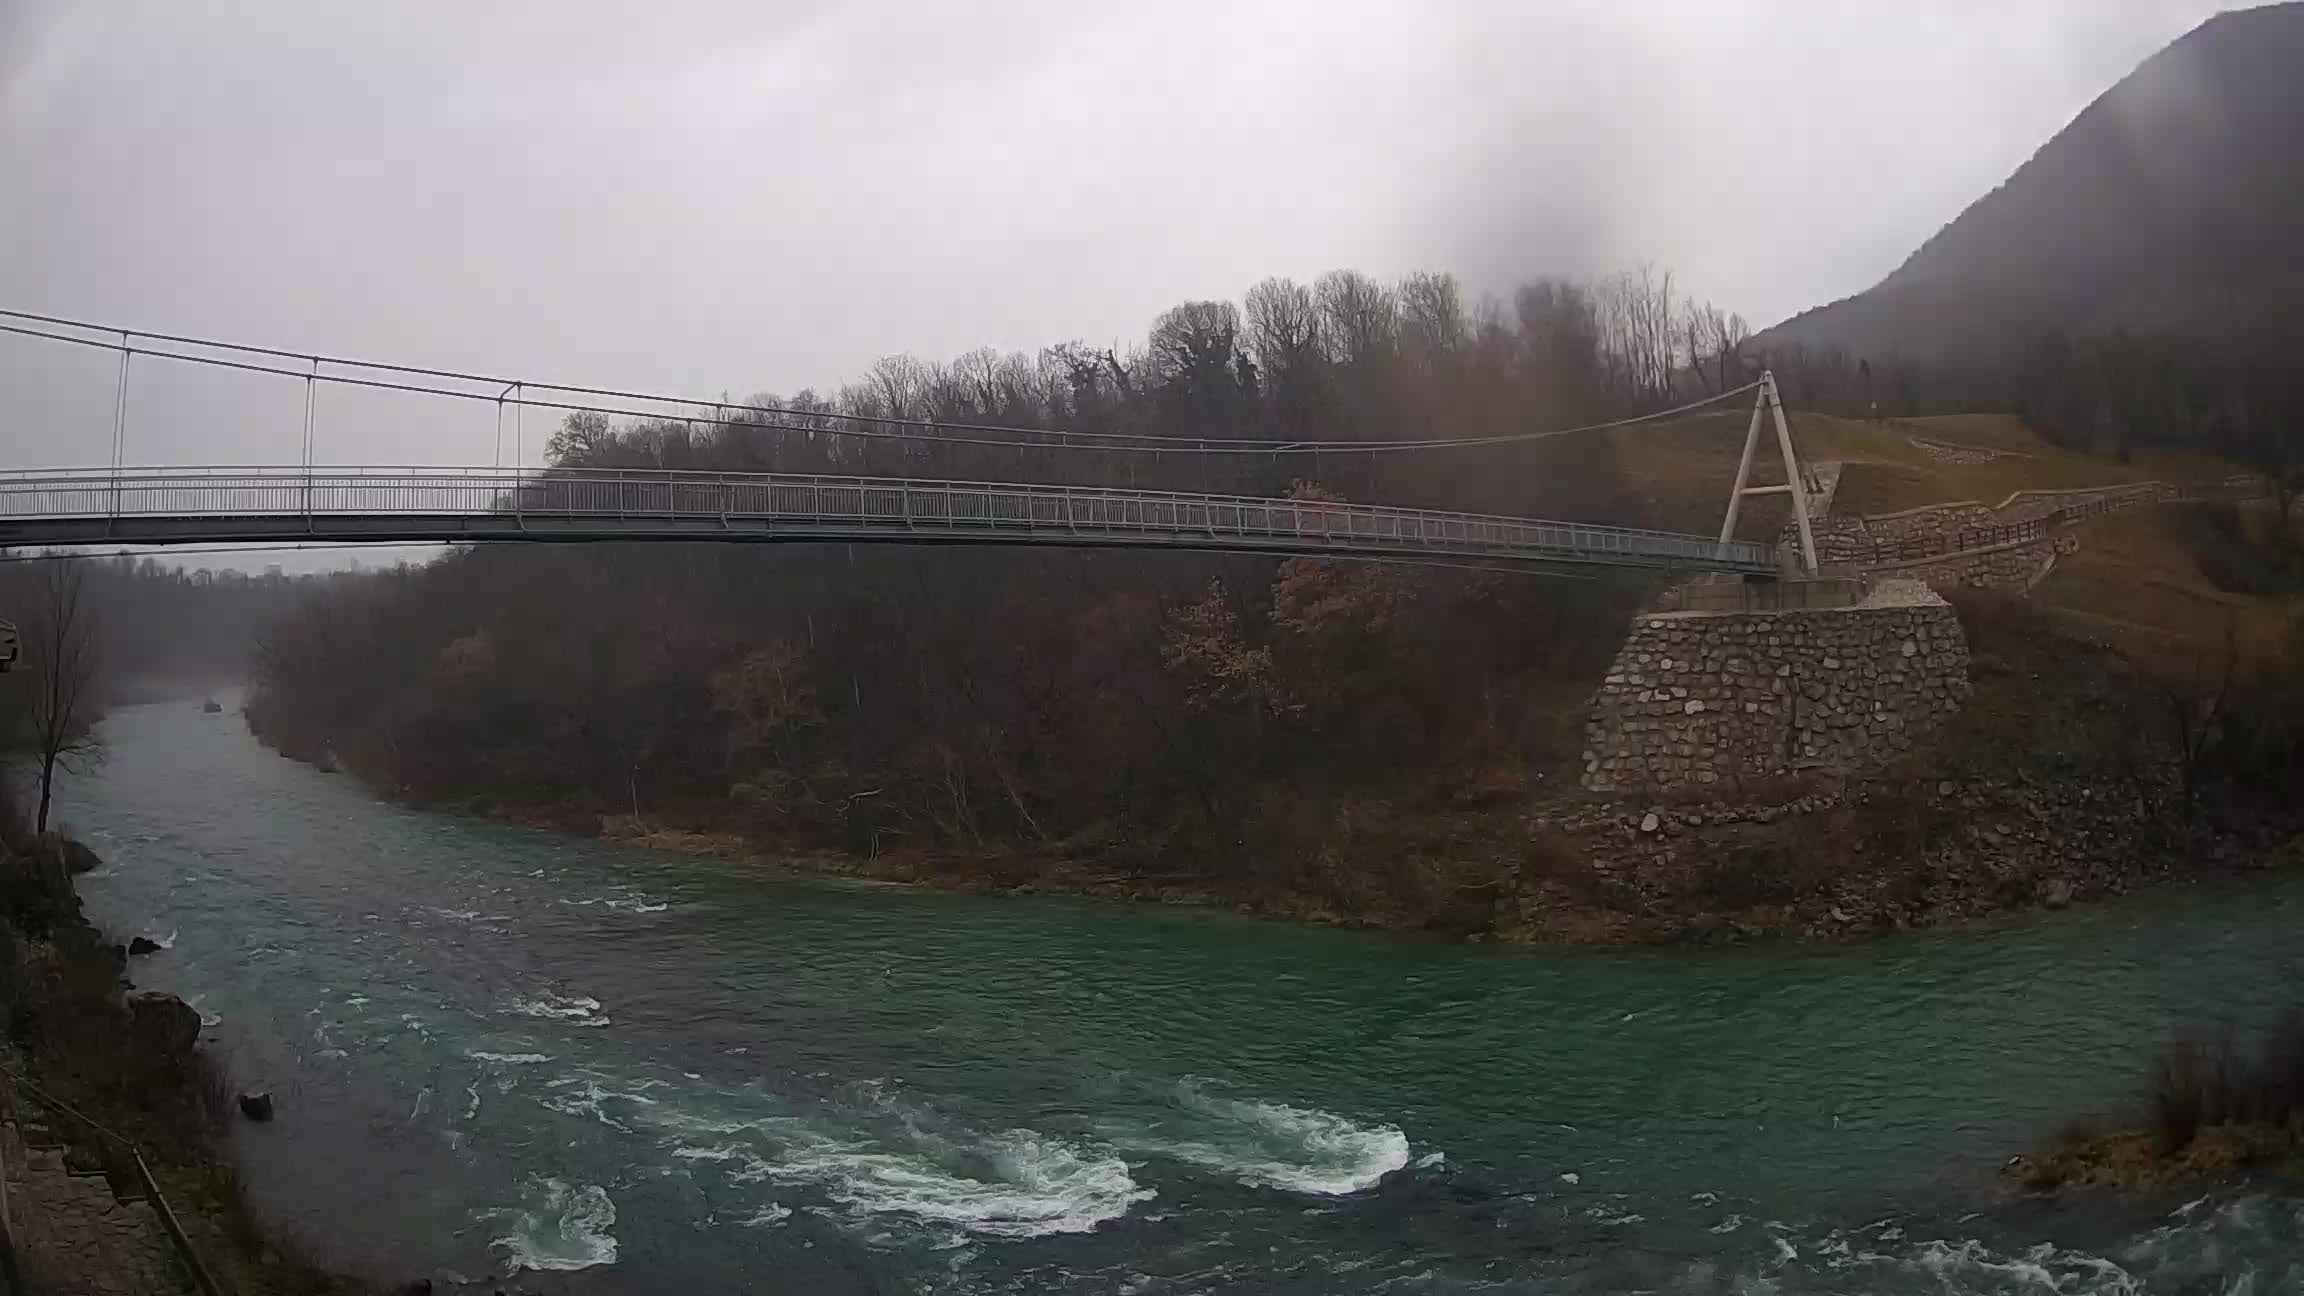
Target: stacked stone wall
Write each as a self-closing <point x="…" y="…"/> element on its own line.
<point x="1851" y="540"/>
<point x="1946" y="452"/>
<point x="1699" y="700"/>
<point x="2011" y="568"/>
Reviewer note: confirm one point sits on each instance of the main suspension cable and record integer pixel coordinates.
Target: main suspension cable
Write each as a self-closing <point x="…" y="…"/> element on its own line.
<point x="930" y="431"/>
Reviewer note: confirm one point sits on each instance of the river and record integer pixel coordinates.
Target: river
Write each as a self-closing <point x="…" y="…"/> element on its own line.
<point x="498" y="1048"/>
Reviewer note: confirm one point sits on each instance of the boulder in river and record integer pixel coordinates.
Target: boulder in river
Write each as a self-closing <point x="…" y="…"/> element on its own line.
<point x="164" y="1025"/>
<point x="2057" y="894"/>
<point x="139" y="946"/>
<point x="256" y="1106"/>
<point x="78" y="858"/>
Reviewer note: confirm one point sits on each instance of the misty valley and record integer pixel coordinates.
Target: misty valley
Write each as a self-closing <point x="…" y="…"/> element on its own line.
<point x="1505" y="776"/>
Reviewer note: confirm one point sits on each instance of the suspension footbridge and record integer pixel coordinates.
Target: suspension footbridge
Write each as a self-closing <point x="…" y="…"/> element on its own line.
<point x="123" y="504"/>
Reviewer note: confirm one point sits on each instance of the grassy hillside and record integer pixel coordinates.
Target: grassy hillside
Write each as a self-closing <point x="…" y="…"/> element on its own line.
<point x="1676" y="475"/>
<point x="2151" y="582"/>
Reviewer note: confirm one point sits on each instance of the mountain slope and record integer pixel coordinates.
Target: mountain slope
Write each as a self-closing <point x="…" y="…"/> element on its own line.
<point x="2173" y="202"/>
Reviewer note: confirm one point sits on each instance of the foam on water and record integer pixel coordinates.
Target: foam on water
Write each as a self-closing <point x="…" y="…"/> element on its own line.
<point x="2236" y="1247"/>
<point x="885" y="1160"/>
<point x="573" y="1010"/>
<point x="724" y="1152"/>
<point x="509" y="1059"/>
<point x="1017" y="1184"/>
<point x="629" y="902"/>
<point x="1273" y="1145"/>
<point x="1969" y="1265"/>
<point x="557" y="1226"/>
<point x="584" y="1095"/>
<point x="1614" y="1216"/>
<point x="767" y="1216"/>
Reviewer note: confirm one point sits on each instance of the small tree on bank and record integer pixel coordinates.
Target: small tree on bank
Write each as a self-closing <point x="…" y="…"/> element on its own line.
<point x="60" y="645"/>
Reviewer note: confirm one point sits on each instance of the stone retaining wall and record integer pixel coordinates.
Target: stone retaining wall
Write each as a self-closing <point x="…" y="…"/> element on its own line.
<point x="1947" y="452"/>
<point x="2014" y="567"/>
<point x="1851" y="539"/>
<point x="1695" y="700"/>
<point x="1715" y="593"/>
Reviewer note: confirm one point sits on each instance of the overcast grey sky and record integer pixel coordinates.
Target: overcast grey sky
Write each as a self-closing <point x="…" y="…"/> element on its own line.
<point x="746" y="195"/>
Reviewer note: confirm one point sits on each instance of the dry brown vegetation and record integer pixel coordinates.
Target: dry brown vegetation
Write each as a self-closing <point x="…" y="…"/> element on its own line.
<point x="1676" y="475"/>
<point x="2165" y="584"/>
<point x="2212" y="1105"/>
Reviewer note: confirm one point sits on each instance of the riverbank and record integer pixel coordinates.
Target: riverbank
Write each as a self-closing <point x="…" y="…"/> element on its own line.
<point x="2074" y="773"/>
<point x="2137" y="1159"/>
<point x="89" y="1062"/>
<point x="2210" y="1105"/>
<point x="1850" y="860"/>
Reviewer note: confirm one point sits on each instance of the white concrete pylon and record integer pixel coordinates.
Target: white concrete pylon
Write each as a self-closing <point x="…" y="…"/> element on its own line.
<point x="1769" y="405"/>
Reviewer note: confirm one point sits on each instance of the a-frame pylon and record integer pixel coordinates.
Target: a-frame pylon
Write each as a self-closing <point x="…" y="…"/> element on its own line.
<point x="1795" y="482"/>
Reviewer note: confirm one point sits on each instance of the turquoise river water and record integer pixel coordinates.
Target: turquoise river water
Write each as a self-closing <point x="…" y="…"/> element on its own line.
<point x="499" y="1049"/>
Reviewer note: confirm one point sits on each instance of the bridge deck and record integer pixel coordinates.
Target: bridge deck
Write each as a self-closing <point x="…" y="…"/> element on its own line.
<point x="385" y="505"/>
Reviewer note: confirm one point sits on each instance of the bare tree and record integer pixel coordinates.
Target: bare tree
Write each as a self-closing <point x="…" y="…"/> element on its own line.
<point x="1715" y="343"/>
<point x="1638" y="334"/>
<point x="1283" y="322"/>
<point x="1197" y="342"/>
<point x="2196" y="708"/>
<point x="1283" y="327"/>
<point x="1432" y="318"/>
<point x="584" y="439"/>
<point x="1359" y="318"/>
<point x="904" y="385"/>
<point x="1561" y="343"/>
<point x="60" y="638"/>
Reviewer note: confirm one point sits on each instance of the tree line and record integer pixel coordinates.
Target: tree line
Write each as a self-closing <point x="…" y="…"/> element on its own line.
<point x="1217" y="394"/>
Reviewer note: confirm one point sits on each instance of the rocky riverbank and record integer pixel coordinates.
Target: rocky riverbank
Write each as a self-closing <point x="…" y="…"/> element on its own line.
<point x="1903" y="850"/>
<point x="89" y="1059"/>
<point x="1820" y="860"/>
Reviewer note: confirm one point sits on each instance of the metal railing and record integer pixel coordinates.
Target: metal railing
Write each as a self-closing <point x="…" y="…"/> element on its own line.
<point x="125" y="1153"/>
<point x="161" y="505"/>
